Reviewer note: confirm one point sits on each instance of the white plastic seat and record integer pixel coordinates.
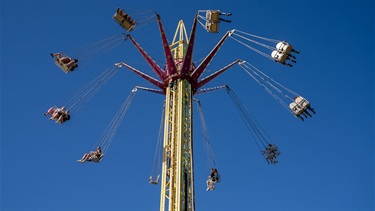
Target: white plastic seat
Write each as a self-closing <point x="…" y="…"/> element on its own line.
<point x="296" y="109"/>
<point x="279" y="57"/>
<point x="284" y="47"/>
<point x="302" y="102"/>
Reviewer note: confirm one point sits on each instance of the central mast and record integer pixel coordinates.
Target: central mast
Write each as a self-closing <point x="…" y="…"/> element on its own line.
<point x="177" y="184"/>
<point x="179" y="81"/>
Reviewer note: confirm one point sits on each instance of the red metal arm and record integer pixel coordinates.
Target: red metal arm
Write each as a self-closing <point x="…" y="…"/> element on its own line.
<point x="215" y="74"/>
<point x="199" y="70"/>
<point x="189" y="52"/>
<point x="159" y="72"/>
<point x="171" y="66"/>
<point x="145" y="76"/>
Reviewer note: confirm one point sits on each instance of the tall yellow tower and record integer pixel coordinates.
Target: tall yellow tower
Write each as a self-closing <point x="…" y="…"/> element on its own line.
<point x="177" y="184"/>
<point x="179" y="81"/>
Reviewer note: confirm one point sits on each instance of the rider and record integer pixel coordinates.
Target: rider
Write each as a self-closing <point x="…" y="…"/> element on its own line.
<point x="212" y="179"/>
<point x="94" y="156"/>
<point x="272" y="152"/>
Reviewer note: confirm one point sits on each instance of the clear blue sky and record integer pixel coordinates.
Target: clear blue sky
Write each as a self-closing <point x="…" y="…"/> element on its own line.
<point x="327" y="162"/>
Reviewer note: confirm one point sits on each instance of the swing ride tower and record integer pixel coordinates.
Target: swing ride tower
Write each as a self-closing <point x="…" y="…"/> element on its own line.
<point x="177" y="183"/>
<point x="179" y="81"/>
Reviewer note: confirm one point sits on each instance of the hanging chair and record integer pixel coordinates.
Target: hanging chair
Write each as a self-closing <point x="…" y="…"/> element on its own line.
<point x="64" y="62"/>
<point x="124" y="20"/>
<point x="154" y="180"/>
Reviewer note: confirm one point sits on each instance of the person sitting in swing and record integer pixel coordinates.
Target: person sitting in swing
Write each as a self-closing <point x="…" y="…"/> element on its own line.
<point x="123" y="14"/>
<point x="70" y="63"/>
<point x="268" y="156"/>
<point x="212" y="179"/>
<point x="57" y="113"/>
<point x="94" y="156"/>
<point x="65" y="116"/>
<point x="50" y="111"/>
<point x="271" y="151"/>
<point x="59" y="57"/>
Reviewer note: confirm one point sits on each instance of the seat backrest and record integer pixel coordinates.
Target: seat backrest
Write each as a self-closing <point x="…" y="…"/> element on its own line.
<point x="212" y="23"/>
<point x="302" y="102"/>
<point x="154" y="180"/>
<point x="295" y="108"/>
<point x="284" y="47"/>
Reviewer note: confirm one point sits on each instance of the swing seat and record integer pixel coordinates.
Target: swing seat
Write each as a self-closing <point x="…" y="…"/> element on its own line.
<point x="64" y="67"/>
<point x="126" y="23"/>
<point x="302" y="102"/>
<point x="296" y="109"/>
<point x="284" y="47"/>
<point x="279" y="57"/>
<point x="154" y="181"/>
<point x="213" y="20"/>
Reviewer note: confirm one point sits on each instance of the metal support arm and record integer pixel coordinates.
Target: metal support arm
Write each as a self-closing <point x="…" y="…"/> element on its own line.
<point x="145" y="76"/>
<point x="198" y="72"/>
<point x="209" y="78"/>
<point x="189" y="52"/>
<point x="171" y="66"/>
<point x="159" y="72"/>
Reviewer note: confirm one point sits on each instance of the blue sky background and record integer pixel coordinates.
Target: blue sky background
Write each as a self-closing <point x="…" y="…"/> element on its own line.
<point x="327" y="162"/>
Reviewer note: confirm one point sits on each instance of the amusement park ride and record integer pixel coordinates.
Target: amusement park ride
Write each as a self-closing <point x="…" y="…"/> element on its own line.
<point x="180" y="80"/>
